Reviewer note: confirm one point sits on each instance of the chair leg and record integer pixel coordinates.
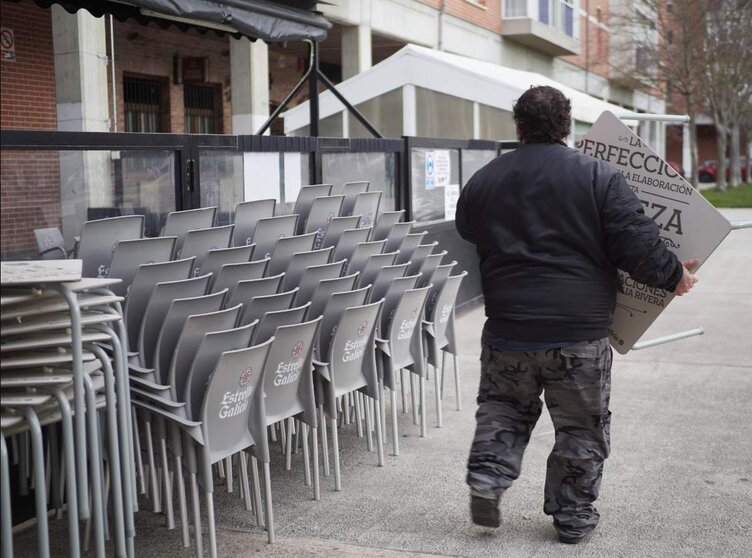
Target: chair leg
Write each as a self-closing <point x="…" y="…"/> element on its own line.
<point x="6" y="528"/>
<point x="395" y="435"/>
<point x="212" y="527"/>
<point x="403" y="391"/>
<point x="92" y="428"/>
<point x="228" y="474"/>
<point x="457" y="384"/>
<point x="269" y="508"/>
<point x="422" y="384"/>
<point x="282" y="435"/>
<point x="369" y="426"/>
<point x="40" y="496"/>
<point x="288" y="444"/>
<point x="139" y="460"/>
<point x="244" y="486"/>
<point x="169" y="512"/>
<point x="335" y="450"/>
<point x="413" y="398"/>
<point x="379" y="431"/>
<point x="302" y="431"/>
<point x="257" y="491"/>
<point x="358" y="413"/>
<point x="152" y="469"/>
<point x="443" y="372"/>
<point x="182" y="501"/>
<point x="196" y="517"/>
<point x="315" y="447"/>
<point x="437" y="393"/>
<point x="324" y="441"/>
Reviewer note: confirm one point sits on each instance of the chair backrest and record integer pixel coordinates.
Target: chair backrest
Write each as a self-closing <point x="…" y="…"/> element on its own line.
<point x="144" y="281"/>
<point x="300" y="262"/>
<point x="99" y="239"/>
<point x="374" y="264"/>
<point x="226" y="406"/>
<point x="418" y="257"/>
<point x="326" y="288"/>
<point x="335" y="306"/>
<point x="305" y="199"/>
<point x="129" y="255"/>
<point x="393" y="296"/>
<point x="173" y="323"/>
<point x="441" y="309"/>
<point x="189" y="341"/>
<point x="247" y="215"/>
<point x="323" y="210"/>
<point x="335" y="229"/>
<point x="384" y="278"/>
<point x="348" y="240"/>
<point x="409" y="244"/>
<point x="219" y="257"/>
<point x="362" y="252"/>
<point x="231" y="274"/>
<point x="403" y="329"/>
<point x="367" y="206"/>
<point x="285" y="247"/>
<point x="260" y="305"/>
<point x="437" y="278"/>
<point x="245" y="291"/>
<point x="50" y="243"/>
<point x="272" y="320"/>
<point x="426" y="269"/>
<point x="350" y="191"/>
<point x="313" y="275"/>
<point x="384" y="224"/>
<point x="178" y="223"/>
<point x="212" y="345"/>
<point x="156" y="310"/>
<point x="269" y="230"/>
<point x="198" y="242"/>
<point x="288" y="378"/>
<point x="397" y="234"/>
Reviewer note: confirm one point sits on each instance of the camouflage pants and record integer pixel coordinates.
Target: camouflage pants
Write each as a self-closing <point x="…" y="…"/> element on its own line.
<point x="576" y="381"/>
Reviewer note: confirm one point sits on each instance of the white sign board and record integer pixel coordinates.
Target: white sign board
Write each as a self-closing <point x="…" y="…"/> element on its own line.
<point x="7" y="44"/>
<point x="438" y="167"/>
<point x="451" y="195"/>
<point x="690" y="226"/>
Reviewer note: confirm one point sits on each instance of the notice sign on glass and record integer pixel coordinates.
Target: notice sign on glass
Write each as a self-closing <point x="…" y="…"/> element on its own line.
<point x="438" y="169"/>
<point x="689" y="225"/>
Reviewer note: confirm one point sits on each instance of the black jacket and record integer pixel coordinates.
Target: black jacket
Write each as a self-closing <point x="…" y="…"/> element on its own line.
<point x="551" y="227"/>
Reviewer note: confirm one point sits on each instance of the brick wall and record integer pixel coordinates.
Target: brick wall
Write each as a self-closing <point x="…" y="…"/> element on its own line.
<point x="593" y="39"/>
<point x="484" y="13"/>
<point x="29" y="181"/>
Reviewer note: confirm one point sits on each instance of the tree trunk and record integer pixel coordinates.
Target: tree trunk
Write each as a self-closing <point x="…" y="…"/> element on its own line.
<point x="736" y="163"/>
<point x="722" y="141"/>
<point x="691" y="172"/>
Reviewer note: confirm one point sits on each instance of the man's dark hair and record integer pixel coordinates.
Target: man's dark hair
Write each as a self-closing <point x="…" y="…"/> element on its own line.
<point x="543" y="115"/>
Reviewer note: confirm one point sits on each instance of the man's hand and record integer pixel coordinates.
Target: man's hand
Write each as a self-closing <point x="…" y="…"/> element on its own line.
<point x="688" y="280"/>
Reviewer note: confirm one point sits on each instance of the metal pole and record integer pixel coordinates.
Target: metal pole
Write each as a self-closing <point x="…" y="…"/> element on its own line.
<point x="673" y="118"/>
<point x="355" y="112"/>
<point x="313" y="91"/>
<point x="112" y="71"/>
<point x="741" y="225"/>
<point x="667" y="339"/>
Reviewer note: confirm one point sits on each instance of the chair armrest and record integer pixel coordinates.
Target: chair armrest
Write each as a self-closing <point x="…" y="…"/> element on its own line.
<point x="155" y="398"/>
<point x="147" y="384"/>
<point x="134" y="368"/>
<point x="322" y="368"/>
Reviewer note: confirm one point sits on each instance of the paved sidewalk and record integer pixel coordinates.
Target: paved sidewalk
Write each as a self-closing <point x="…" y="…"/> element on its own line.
<point x="678" y="482"/>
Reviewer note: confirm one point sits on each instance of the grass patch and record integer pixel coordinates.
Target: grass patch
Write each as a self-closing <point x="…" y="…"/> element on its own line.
<point x="741" y="196"/>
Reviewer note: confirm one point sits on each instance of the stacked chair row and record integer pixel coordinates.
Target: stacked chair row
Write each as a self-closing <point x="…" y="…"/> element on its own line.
<point x="278" y="328"/>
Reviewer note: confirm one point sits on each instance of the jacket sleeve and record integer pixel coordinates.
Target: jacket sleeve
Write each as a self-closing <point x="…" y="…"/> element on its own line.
<point x="462" y="221"/>
<point x="633" y="239"/>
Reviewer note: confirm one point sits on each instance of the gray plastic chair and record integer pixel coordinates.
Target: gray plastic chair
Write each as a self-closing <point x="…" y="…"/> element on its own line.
<point x="437" y="278"/>
<point x="305" y="199"/>
<point x="367" y="206"/>
<point x="50" y="244"/>
<point x="245" y="291"/>
<point x="397" y="235"/>
<point x="178" y="223"/>
<point x="285" y="247"/>
<point x="351" y="190"/>
<point x="373" y="265"/>
<point x="335" y="229"/>
<point x="144" y="282"/>
<point x="302" y="261"/>
<point x="268" y="231"/>
<point x="219" y="257"/>
<point x="231" y="274"/>
<point x="272" y="320"/>
<point x="427" y="267"/>
<point x="362" y="252"/>
<point x="384" y="224"/>
<point x="409" y="245"/>
<point x="384" y="278"/>
<point x="348" y="241"/>
<point x="334" y="307"/>
<point x="323" y="210"/>
<point x="314" y="274"/>
<point x="260" y="305"/>
<point x="326" y="288"/>
<point x="198" y="242"/>
<point x="247" y="214"/>
<point x="99" y="238"/>
<point x="129" y="255"/>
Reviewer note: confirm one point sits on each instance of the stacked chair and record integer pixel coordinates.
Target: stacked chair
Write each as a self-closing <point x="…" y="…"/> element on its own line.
<point x="203" y="349"/>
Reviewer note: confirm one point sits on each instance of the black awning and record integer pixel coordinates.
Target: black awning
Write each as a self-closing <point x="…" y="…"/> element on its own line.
<point x="271" y="21"/>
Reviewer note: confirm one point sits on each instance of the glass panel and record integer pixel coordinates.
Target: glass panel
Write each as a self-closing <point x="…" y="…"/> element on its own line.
<point x="473" y="160"/>
<point x="515" y="8"/>
<point x="221" y="175"/>
<point x="496" y="124"/>
<point x="331" y="126"/>
<point x="443" y="116"/>
<point x="567" y="13"/>
<point x="429" y="200"/>
<point x="378" y="168"/>
<point x="543" y="11"/>
<point x="275" y="175"/>
<point x="384" y="112"/>
<point x="66" y="188"/>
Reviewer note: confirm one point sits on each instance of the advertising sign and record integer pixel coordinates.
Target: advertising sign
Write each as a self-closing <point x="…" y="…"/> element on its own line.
<point x="689" y="225"/>
<point x="438" y="169"/>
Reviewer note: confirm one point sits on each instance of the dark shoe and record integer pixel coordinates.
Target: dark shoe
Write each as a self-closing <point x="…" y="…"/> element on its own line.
<point x="570" y="539"/>
<point x="485" y="510"/>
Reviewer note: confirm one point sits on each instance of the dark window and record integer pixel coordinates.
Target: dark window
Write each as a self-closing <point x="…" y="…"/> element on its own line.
<point x="146" y="104"/>
<point x="203" y="110"/>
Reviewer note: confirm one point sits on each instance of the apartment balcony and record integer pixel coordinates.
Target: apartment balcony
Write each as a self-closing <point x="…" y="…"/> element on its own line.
<point x="550" y="26"/>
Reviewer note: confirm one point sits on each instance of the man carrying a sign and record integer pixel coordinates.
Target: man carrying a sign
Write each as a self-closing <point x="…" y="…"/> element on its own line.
<point x="552" y="226"/>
